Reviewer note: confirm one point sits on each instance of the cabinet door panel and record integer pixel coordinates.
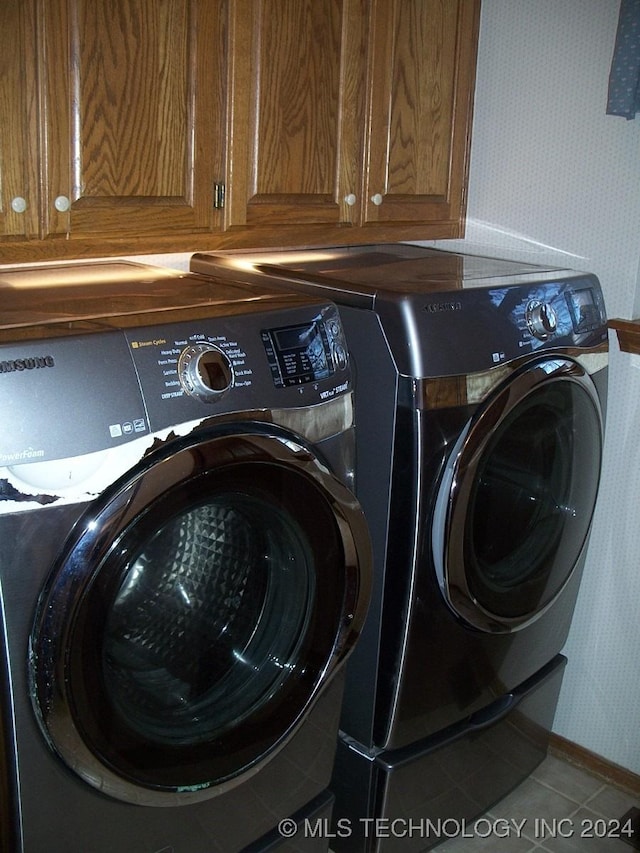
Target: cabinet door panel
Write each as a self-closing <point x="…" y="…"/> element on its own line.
<point x="19" y="199"/>
<point x="422" y="59"/>
<point x="133" y="131"/>
<point x="294" y="137"/>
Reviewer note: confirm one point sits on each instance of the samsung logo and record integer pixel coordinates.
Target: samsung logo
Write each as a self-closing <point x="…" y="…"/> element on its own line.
<point x="20" y="364"/>
<point x="436" y="307"/>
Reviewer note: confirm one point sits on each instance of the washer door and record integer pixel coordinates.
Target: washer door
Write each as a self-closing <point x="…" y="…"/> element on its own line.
<point x="196" y="614"/>
<point x="517" y="497"/>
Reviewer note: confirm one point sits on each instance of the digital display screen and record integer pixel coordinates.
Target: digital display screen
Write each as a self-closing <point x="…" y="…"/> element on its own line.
<point x="585" y="314"/>
<point x="298" y="354"/>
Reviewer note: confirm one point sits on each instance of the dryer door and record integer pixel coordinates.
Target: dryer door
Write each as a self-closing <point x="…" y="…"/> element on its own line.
<point x="518" y="494"/>
<point x="196" y="615"/>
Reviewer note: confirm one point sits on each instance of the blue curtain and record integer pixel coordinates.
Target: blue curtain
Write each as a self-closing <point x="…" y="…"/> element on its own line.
<point x="624" y="80"/>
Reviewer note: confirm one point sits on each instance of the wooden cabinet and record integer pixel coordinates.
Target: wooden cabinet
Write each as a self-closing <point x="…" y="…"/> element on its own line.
<point x="134" y="138"/>
<point x="317" y="121"/>
<point x="421" y="68"/>
<point x="125" y="135"/>
<point x="352" y="114"/>
<point x="19" y="190"/>
<point x="297" y="119"/>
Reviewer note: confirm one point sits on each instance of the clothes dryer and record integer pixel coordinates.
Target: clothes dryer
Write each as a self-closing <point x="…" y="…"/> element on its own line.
<point x="481" y="387"/>
<point x="183" y="567"/>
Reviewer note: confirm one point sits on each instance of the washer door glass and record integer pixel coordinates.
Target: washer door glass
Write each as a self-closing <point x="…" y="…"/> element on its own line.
<point x="190" y="626"/>
<point x="209" y="614"/>
<point x="519" y="495"/>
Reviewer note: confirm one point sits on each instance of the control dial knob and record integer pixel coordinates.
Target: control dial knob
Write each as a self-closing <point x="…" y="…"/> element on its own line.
<point x="205" y="372"/>
<point x="541" y="319"/>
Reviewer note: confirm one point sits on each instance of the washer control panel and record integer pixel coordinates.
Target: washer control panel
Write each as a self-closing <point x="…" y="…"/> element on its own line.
<point x="188" y="370"/>
<point x="305" y="352"/>
<point x="46" y="383"/>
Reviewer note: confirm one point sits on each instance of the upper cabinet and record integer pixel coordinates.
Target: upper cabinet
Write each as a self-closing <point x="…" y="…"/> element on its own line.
<point x="296" y="126"/>
<point x="113" y="119"/>
<point x="19" y="186"/>
<point x="133" y="135"/>
<point x="350" y="113"/>
<point x="421" y="68"/>
<point x="173" y="125"/>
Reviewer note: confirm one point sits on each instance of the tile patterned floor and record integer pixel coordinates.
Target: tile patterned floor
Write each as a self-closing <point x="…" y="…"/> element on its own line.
<point x="559" y="809"/>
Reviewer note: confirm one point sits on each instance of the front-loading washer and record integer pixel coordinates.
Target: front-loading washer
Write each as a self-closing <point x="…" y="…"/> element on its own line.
<point x="480" y="398"/>
<point x="183" y="566"/>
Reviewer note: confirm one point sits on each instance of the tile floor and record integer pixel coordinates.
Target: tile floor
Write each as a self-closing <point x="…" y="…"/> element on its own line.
<point x="558" y="809"/>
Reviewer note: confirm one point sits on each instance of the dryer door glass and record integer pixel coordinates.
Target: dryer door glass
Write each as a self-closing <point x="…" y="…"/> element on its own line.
<point x="192" y="624"/>
<point x="523" y="495"/>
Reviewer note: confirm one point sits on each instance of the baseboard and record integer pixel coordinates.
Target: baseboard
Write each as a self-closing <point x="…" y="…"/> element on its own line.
<point x="594" y="764"/>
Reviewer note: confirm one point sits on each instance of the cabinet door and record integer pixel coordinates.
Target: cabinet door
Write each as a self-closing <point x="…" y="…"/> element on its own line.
<point x="133" y="123"/>
<point x="421" y="71"/>
<point x="296" y="129"/>
<point x="19" y="133"/>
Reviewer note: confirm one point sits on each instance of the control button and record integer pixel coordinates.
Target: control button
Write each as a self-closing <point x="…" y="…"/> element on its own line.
<point x="333" y="327"/>
<point x="339" y="356"/>
<point x="541" y="319"/>
<point x="205" y="372"/>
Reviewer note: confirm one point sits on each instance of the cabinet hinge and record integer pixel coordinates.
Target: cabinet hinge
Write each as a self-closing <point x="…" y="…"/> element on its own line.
<point x="218" y="196"/>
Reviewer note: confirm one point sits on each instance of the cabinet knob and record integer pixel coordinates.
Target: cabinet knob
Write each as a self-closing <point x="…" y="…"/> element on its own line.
<point x="350" y="199"/>
<point x="18" y="204"/>
<point x="62" y="204"/>
<point x="377" y="199"/>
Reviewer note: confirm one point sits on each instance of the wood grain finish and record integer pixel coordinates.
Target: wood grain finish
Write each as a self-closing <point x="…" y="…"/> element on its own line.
<point x="294" y="139"/>
<point x="125" y="125"/>
<point x="134" y="55"/>
<point x="420" y="68"/>
<point x="18" y="120"/>
<point x="302" y="109"/>
<point x="628" y="332"/>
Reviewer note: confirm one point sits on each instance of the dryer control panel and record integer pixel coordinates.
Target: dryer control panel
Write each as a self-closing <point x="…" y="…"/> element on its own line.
<point x="473" y="330"/>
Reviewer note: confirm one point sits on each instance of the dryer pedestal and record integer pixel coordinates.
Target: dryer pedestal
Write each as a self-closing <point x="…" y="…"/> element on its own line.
<point x="409" y="800"/>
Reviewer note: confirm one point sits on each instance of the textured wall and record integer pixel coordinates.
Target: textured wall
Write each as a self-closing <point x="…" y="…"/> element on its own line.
<point x="555" y="179"/>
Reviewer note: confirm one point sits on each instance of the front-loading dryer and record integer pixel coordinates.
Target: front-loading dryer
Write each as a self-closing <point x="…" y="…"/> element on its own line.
<point x="480" y="398"/>
<point x="183" y="566"/>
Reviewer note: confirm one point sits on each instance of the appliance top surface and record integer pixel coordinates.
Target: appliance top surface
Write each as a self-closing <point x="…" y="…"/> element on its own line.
<point x="443" y="313"/>
<point x="37" y="296"/>
<point x="386" y="272"/>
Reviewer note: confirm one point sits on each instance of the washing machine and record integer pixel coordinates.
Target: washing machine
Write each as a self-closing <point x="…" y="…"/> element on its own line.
<point x="481" y="391"/>
<point x="183" y="566"/>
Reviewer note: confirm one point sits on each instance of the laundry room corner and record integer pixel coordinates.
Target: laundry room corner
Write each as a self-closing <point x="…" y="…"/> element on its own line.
<point x="553" y="179"/>
<point x="600" y="694"/>
<point x="320" y="447"/>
